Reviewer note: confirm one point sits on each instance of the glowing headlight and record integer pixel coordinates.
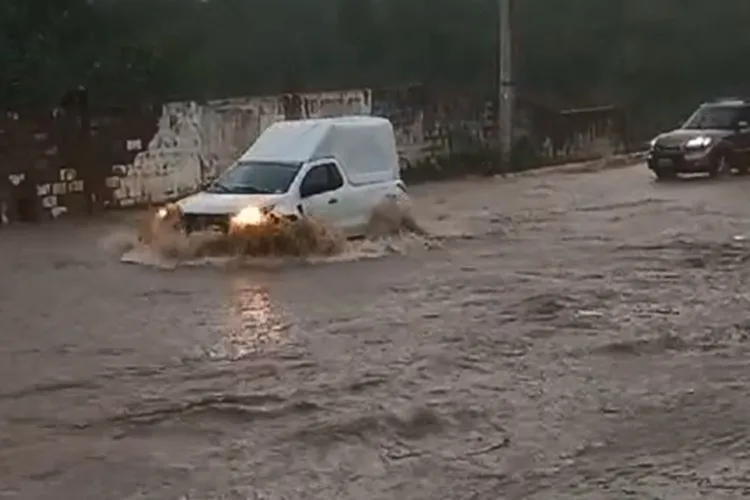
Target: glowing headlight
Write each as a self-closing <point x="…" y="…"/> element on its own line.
<point x="162" y="213"/>
<point x="248" y="216"/>
<point x="699" y="142"/>
<point x="652" y="144"/>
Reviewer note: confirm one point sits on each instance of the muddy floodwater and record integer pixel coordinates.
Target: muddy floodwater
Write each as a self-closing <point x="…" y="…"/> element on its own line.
<point x="559" y="336"/>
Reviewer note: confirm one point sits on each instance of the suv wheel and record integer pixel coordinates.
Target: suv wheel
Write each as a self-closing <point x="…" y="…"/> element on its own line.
<point x="721" y="166"/>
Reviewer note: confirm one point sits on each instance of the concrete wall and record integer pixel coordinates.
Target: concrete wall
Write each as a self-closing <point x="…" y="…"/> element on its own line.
<point x="195" y="142"/>
<point x="125" y="157"/>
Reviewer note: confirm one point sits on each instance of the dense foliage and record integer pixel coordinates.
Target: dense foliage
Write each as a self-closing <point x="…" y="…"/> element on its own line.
<point x="657" y="57"/>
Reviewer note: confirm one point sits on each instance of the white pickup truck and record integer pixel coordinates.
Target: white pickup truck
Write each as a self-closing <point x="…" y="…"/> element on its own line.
<point x="334" y="169"/>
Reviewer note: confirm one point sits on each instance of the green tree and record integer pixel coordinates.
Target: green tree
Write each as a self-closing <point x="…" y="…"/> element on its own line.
<point x="656" y="58"/>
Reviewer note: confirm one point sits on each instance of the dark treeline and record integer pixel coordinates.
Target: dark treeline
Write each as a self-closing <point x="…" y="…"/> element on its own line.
<point x="656" y="57"/>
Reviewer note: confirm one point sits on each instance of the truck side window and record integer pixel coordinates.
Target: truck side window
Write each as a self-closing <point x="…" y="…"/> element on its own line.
<point x="334" y="177"/>
<point x="321" y="179"/>
<point x="315" y="181"/>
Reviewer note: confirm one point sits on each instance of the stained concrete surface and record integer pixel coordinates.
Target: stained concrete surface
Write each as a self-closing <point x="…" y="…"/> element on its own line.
<point x="577" y="335"/>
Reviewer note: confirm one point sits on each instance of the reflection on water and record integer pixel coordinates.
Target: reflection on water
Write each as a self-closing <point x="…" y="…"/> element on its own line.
<point x="254" y="322"/>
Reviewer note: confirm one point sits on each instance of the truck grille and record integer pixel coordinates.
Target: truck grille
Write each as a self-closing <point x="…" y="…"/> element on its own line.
<point x="204" y="222"/>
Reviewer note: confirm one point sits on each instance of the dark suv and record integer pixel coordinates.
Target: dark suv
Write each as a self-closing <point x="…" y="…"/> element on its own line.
<point x="714" y="140"/>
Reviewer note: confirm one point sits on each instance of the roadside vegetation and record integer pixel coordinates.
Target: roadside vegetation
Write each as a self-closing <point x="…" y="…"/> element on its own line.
<point x="656" y="58"/>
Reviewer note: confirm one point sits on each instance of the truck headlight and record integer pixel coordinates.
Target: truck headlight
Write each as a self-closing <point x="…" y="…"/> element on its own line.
<point x="169" y="210"/>
<point x="249" y="216"/>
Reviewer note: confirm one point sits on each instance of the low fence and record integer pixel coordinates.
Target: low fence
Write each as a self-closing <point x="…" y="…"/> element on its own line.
<point x="75" y="159"/>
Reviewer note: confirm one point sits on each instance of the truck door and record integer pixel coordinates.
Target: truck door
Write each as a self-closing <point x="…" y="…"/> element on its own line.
<point x="321" y="195"/>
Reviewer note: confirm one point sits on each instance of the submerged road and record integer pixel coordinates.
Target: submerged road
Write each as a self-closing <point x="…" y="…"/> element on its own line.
<point x="578" y="335"/>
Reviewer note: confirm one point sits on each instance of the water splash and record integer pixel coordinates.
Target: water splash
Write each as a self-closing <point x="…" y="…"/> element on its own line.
<point x="157" y="241"/>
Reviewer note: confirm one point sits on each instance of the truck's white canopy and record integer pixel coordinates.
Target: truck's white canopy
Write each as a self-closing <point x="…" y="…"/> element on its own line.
<point x="364" y="146"/>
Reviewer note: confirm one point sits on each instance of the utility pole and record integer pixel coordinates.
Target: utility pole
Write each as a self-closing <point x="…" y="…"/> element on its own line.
<point x="506" y="88"/>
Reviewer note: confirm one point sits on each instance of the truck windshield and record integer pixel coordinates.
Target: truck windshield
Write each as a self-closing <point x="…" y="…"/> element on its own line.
<point x="256" y="178"/>
<point x="713" y="117"/>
